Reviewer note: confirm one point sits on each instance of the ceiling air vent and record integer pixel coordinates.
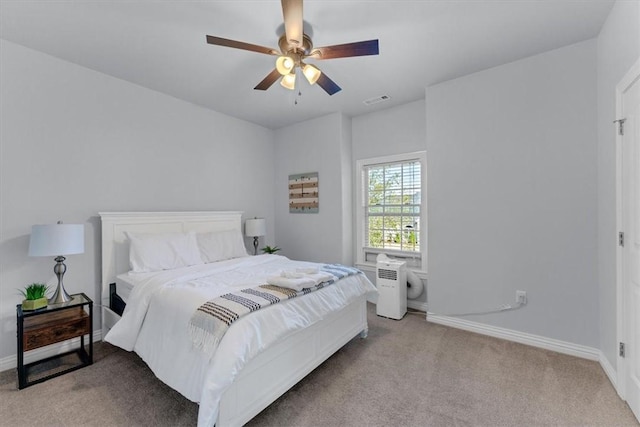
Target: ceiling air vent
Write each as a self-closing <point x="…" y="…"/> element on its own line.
<point x="376" y="100"/>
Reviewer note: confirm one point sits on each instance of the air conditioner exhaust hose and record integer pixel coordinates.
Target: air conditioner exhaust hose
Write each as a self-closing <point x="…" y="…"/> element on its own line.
<point x="414" y="285"/>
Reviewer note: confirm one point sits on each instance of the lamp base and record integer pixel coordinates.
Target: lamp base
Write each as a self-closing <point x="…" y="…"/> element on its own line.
<point x="255" y="245"/>
<point x="60" y="296"/>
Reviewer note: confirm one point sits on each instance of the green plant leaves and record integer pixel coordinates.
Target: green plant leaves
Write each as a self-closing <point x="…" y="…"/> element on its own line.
<point x="35" y="291"/>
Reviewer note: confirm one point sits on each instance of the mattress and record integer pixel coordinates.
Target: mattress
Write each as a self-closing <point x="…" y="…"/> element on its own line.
<point x="124" y="285"/>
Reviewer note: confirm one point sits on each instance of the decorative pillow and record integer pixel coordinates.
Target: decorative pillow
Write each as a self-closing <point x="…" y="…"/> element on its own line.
<point x="162" y="251"/>
<point x="221" y="245"/>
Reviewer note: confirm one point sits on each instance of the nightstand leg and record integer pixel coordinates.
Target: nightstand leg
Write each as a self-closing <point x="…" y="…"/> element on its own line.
<point x="91" y="333"/>
<point x="21" y="371"/>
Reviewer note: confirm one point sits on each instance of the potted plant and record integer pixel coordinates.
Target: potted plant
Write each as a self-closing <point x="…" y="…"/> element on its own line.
<point x="270" y="250"/>
<point x="35" y="296"/>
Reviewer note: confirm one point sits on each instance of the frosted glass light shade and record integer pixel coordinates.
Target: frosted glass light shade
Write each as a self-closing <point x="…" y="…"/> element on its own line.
<point x="56" y="239"/>
<point x="311" y="73"/>
<point x="284" y="65"/>
<point x="288" y="81"/>
<point x="255" y="227"/>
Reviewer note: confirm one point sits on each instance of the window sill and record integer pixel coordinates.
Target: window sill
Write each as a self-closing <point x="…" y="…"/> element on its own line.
<point x="371" y="267"/>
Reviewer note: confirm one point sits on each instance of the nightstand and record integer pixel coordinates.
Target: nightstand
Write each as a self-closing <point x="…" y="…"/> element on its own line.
<point x="50" y="325"/>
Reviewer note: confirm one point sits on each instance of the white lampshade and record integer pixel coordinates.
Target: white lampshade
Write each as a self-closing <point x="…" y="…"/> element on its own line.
<point x="288" y="81"/>
<point x="255" y="227"/>
<point x="284" y="65"/>
<point x="56" y="239"/>
<point x="311" y="73"/>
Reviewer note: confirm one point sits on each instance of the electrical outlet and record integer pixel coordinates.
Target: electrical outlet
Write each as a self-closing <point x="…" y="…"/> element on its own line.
<point x="521" y="297"/>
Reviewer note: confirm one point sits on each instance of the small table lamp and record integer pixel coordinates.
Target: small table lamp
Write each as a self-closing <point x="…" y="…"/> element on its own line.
<point x="255" y="228"/>
<point x="57" y="240"/>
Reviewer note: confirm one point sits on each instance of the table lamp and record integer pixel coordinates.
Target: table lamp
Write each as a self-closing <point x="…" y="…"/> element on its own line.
<point x="255" y="228"/>
<point x="57" y="240"/>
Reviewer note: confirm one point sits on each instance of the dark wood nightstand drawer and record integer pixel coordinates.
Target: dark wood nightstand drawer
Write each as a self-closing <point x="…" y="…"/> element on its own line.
<point x="54" y="327"/>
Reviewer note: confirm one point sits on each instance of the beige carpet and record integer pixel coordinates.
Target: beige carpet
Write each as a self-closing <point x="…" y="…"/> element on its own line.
<point x="408" y="372"/>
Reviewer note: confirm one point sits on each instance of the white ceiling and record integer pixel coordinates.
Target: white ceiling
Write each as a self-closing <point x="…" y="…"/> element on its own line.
<point x="161" y="45"/>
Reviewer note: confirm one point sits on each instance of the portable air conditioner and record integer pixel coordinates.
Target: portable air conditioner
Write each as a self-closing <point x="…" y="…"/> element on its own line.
<point x="391" y="281"/>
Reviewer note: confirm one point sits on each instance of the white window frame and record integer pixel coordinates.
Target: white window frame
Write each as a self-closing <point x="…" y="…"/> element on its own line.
<point x="416" y="260"/>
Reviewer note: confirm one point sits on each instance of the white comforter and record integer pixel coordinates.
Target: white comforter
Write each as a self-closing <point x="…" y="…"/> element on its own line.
<point x="155" y="322"/>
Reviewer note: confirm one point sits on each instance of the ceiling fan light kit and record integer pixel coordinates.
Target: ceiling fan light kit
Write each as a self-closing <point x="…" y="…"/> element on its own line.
<point x="295" y="46"/>
<point x="311" y="73"/>
<point x="284" y="64"/>
<point x="289" y="81"/>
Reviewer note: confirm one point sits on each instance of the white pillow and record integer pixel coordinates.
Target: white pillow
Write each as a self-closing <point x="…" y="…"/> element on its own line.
<point x="221" y="245"/>
<point x="162" y="251"/>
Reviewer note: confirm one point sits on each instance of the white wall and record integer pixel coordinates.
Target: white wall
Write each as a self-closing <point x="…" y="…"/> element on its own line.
<point x="618" y="49"/>
<point x="318" y="145"/>
<point x="512" y="197"/>
<point x="75" y="142"/>
<point x="396" y="130"/>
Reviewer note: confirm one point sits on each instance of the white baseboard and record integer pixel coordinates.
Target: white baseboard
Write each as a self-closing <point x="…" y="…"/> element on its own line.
<point x="563" y="347"/>
<point x="417" y="305"/>
<point x="11" y="362"/>
<point x="609" y="371"/>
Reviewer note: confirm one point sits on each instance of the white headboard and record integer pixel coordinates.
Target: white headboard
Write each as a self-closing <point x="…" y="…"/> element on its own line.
<point x="115" y="246"/>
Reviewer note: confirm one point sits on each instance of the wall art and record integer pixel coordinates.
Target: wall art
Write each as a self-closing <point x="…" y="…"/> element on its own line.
<point x="303" y="193"/>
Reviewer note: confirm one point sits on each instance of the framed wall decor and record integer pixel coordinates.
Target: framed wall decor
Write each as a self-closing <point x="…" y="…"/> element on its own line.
<point x="303" y="193"/>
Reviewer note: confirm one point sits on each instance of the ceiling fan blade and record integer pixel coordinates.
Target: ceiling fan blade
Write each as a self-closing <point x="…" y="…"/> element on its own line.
<point x="219" y="41"/>
<point x="292" y="13"/>
<point x="327" y="84"/>
<point x="369" y="47"/>
<point x="269" y="80"/>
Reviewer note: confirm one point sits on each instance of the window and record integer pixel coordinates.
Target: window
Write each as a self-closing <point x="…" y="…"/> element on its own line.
<point x="392" y="206"/>
<point x="391" y="215"/>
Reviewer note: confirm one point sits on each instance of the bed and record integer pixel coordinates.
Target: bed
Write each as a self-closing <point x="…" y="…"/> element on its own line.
<point x="253" y="365"/>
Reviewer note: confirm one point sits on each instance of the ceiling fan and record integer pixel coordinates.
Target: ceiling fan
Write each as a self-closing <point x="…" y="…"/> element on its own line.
<point x="295" y="47"/>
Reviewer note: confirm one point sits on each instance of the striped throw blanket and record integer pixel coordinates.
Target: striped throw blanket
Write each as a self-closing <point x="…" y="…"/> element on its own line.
<point x="213" y="318"/>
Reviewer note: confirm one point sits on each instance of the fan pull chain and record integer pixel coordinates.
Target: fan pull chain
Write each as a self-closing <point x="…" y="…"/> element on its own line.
<point x="295" y="102"/>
